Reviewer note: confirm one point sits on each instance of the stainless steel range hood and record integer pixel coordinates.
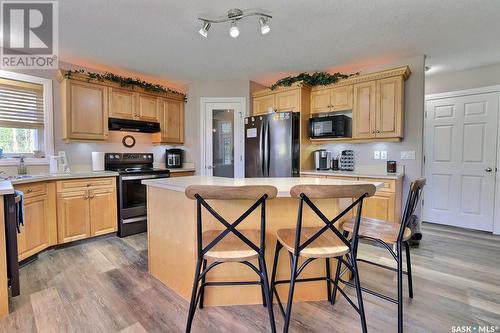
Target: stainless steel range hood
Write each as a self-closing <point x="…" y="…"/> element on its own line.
<point x="115" y="124"/>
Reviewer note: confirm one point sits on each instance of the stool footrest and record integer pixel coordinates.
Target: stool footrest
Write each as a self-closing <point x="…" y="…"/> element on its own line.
<point x="229" y="283"/>
<point x="380" y="265"/>
<point x="369" y="291"/>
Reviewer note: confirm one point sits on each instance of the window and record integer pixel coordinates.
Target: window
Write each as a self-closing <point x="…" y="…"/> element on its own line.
<point x="25" y="115"/>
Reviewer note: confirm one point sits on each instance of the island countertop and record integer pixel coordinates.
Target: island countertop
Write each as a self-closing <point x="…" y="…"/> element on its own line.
<point x="282" y="184"/>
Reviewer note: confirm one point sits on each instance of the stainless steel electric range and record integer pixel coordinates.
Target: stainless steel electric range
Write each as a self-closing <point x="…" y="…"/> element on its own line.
<point x="132" y="169"/>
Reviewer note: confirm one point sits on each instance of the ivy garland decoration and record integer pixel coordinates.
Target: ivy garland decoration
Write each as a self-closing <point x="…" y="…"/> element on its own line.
<point x="314" y="79"/>
<point x="123" y="81"/>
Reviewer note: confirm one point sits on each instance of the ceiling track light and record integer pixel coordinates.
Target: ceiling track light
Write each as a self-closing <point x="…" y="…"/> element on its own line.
<point x="233" y="16"/>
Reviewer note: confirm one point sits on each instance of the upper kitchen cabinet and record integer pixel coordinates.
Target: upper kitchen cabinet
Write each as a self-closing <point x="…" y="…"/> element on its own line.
<point x="287" y="99"/>
<point x="84" y="110"/>
<point x="122" y="103"/>
<point x="171" y="122"/>
<point x="363" y="124"/>
<point x="331" y="99"/>
<point x="148" y="107"/>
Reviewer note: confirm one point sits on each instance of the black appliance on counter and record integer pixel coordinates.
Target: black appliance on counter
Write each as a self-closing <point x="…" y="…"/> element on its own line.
<point x="12" y="228"/>
<point x="173" y="157"/>
<point x="272" y="146"/>
<point x="133" y="168"/>
<point x="339" y="126"/>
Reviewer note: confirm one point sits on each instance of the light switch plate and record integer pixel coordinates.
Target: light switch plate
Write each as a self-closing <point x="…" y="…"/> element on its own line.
<point x="383" y="154"/>
<point x="376" y="154"/>
<point x="408" y="155"/>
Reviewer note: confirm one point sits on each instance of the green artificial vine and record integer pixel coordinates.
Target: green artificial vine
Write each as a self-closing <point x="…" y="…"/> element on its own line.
<point x="314" y="79"/>
<point x="123" y="81"/>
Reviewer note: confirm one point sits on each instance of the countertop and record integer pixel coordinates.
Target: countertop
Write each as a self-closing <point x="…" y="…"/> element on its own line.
<point x="283" y="185"/>
<point x="6" y="186"/>
<point x="355" y="173"/>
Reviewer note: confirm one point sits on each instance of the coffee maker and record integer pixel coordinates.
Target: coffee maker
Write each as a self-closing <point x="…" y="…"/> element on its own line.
<point x="322" y="158"/>
<point x="173" y="158"/>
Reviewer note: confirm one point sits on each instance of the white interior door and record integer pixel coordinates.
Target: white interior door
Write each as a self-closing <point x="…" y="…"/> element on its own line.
<point x="224" y="140"/>
<point x="460" y="160"/>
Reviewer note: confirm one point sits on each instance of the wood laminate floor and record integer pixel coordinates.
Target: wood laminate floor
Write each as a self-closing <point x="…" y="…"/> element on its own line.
<point x="103" y="286"/>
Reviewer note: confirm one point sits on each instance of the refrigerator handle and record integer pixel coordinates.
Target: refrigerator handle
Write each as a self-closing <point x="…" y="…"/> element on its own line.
<point x="265" y="171"/>
<point x="268" y="150"/>
<point x="261" y="148"/>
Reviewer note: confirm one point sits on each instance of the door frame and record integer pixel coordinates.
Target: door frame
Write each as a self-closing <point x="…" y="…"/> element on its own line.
<point x="241" y="101"/>
<point x="465" y="92"/>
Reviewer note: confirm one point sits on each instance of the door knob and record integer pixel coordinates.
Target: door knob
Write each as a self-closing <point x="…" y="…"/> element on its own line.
<point x="488" y="169"/>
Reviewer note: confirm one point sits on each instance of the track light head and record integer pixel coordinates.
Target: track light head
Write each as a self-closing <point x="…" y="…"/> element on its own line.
<point x="264" y="25"/>
<point x="204" y="30"/>
<point x="234" y="31"/>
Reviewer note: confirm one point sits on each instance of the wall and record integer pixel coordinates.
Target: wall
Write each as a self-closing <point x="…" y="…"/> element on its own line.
<point x="195" y="91"/>
<point x="413" y="132"/>
<point x="467" y="79"/>
<point x="79" y="153"/>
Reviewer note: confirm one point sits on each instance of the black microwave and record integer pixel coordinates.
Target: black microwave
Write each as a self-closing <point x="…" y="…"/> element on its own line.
<point x="339" y="126"/>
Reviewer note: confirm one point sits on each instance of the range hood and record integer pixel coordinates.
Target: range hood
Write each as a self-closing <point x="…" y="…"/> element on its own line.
<point x="115" y="124"/>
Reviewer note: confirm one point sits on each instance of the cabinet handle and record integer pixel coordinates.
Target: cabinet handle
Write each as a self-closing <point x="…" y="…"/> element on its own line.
<point x="378" y="131"/>
<point x="29" y="190"/>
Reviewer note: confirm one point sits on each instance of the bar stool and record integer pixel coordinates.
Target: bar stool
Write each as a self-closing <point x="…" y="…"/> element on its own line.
<point x="230" y="245"/>
<point x="325" y="242"/>
<point x="390" y="234"/>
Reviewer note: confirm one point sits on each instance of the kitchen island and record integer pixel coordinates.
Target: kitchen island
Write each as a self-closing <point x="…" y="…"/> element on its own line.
<point x="172" y="236"/>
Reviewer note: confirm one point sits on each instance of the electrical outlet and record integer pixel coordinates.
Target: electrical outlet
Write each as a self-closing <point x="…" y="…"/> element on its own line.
<point x="376" y="154"/>
<point x="408" y="155"/>
<point x="383" y="154"/>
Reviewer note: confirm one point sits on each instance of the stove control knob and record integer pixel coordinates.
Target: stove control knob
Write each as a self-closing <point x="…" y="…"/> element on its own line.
<point x="150" y="157"/>
<point x="117" y="156"/>
<point x="144" y="156"/>
<point x="111" y="157"/>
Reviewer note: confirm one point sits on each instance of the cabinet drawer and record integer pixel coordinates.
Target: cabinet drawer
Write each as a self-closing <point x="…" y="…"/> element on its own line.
<point x="32" y="189"/>
<point x="87" y="183"/>
<point x="389" y="185"/>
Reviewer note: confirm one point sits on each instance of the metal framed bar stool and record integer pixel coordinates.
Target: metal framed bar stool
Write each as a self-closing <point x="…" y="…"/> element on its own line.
<point x="325" y="242"/>
<point x="390" y="235"/>
<point x="230" y="245"/>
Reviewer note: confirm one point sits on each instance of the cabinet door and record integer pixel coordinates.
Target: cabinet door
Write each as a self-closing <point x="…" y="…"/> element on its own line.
<point x="148" y="108"/>
<point x="173" y="122"/>
<point x="341" y="98"/>
<point x="363" y="112"/>
<point x="389" y="114"/>
<point x="288" y="101"/>
<point x="87" y="117"/>
<point x="73" y="216"/>
<point x="34" y="236"/>
<point x="262" y="104"/>
<point x="320" y="101"/>
<point x="380" y="206"/>
<point x="121" y="104"/>
<point x="103" y="211"/>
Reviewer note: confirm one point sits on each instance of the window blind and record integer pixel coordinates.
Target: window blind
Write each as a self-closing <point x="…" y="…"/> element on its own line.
<point x="21" y="104"/>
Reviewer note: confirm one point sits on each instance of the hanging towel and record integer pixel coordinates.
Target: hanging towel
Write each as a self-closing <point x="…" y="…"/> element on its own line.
<point x="19" y="209"/>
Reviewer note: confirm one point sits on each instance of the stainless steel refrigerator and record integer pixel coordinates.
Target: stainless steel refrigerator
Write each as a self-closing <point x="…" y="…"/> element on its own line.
<point x="272" y="146"/>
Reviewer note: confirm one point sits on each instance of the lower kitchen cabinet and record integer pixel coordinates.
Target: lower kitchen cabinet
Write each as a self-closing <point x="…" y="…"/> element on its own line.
<point x="385" y="204"/>
<point x="103" y="218"/>
<point x="86" y="211"/>
<point x="38" y="231"/>
<point x="181" y="174"/>
<point x="73" y="216"/>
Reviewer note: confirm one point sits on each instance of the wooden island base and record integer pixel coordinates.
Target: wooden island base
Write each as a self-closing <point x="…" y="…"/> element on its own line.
<point x="172" y="246"/>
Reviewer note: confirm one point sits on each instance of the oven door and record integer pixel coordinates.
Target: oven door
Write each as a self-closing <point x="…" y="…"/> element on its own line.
<point x="133" y="194"/>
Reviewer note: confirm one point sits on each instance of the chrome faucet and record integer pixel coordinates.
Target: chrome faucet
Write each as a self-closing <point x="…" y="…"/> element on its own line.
<point x="21" y="168"/>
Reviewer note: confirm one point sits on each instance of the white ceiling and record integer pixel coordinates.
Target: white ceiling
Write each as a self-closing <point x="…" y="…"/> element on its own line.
<point x="159" y="37"/>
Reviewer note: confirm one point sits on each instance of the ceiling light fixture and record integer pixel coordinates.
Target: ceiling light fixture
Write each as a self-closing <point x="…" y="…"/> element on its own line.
<point x="233" y="16"/>
<point x="264" y="25"/>
<point x="234" y="31"/>
<point x="204" y="30"/>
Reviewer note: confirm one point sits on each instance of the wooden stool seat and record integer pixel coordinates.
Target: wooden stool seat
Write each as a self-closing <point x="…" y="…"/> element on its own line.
<point x="231" y="248"/>
<point x="378" y="229"/>
<point x="327" y="245"/>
